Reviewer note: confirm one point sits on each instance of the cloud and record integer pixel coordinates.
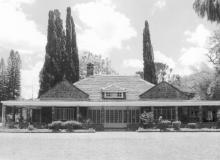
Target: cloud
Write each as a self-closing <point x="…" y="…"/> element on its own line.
<point x="161" y="57"/>
<point x="194" y="57"/>
<point x="29" y="81"/>
<point x="199" y="36"/>
<point x="16" y="30"/>
<point x="21" y="34"/>
<point x="104" y="28"/>
<point x="133" y="63"/>
<point x="158" y="5"/>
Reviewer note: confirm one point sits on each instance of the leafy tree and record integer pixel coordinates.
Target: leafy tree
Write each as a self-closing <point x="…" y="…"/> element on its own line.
<point x="208" y="8"/>
<point x="50" y="73"/>
<point x="101" y="65"/>
<point x="3" y="80"/>
<point x="14" y="75"/>
<point x="72" y="60"/>
<point x="198" y="83"/>
<point x="148" y="56"/>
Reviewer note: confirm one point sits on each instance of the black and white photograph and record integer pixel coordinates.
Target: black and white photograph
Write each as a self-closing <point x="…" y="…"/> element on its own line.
<point x="109" y="79"/>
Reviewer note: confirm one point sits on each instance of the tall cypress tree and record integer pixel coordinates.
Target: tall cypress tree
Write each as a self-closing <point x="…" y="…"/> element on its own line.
<point x="50" y="73"/>
<point x="3" y="81"/>
<point x="148" y="56"/>
<point x="72" y="60"/>
<point x="14" y="75"/>
<point x="60" y="48"/>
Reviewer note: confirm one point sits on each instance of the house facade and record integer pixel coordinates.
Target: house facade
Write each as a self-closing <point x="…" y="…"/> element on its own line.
<point x="111" y="102"/>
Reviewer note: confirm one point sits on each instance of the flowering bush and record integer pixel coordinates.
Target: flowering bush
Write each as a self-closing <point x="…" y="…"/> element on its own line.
<point x="148" y="119"/>
<point x="192" y="125"/>
<point x="176" y="125"/>
<point x="71" y="125"/>
<point x="163" y="125"/>
<point x="55" y="126"/>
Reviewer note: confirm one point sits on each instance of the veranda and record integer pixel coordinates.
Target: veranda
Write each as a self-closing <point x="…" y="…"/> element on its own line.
<point x="108" y="114"/>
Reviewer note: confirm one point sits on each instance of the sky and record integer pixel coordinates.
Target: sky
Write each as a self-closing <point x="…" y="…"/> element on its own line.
<point x="111" y="28"/>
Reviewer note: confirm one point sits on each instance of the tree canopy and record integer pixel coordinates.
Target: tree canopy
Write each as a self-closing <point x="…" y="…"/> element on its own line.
<point x="208" y="8"/>
<point x="148" y="56"/>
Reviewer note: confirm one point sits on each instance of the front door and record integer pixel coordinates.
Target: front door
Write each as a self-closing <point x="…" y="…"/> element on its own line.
<point x="115" y="119"/>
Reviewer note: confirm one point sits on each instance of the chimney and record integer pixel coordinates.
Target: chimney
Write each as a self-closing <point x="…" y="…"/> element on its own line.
<point x="90" y="69"/>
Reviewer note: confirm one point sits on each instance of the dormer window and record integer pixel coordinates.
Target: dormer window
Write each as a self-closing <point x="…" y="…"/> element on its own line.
<point x="113" y="92"/>
<point x="110" y="95"/>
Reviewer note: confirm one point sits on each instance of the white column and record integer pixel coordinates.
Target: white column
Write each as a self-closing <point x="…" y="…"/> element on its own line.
<point x="200" y="114"/>
<point x="3" y="115"/>
<point x="77" y="113"/>
<point x="176" y="111"/>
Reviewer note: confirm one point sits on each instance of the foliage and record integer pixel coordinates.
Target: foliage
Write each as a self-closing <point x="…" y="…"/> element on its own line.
<point x="101" y="65"/>
<point x="71" y="60"/>
<point x="192" y="125"/>
<point x="208" y="8"/>
<point x="176" y="125"/>
<point x="163" y="125"/>
<point x="55" y="126"/>
<point x="198" y="83"/>
<point x="50" y="73"/>
<point x="14" y="75"/>
<point x="30" y="128"/>
<point x="148" y="57"/>
<point x="3" y="81"/>
<point x="71" y="125"/>
<point x="148" y="119"/>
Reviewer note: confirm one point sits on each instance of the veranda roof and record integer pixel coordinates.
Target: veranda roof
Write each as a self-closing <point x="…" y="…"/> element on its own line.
<point x="161" y="103"/>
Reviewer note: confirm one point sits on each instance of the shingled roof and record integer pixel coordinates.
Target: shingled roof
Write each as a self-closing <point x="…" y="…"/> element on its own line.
<point x="64" y="91"/>
<point x="164" y="90"/>
<point x="133" y="85"/>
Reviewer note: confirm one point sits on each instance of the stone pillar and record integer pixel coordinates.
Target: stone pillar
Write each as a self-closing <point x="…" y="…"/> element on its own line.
<point x="176" y="112"/>
<point x="3" y="115"/>
<point x="77" y="113"/>
<point x="200" y="114"/>
<point x="152" y="110"/>
<point x="53" y="114"/>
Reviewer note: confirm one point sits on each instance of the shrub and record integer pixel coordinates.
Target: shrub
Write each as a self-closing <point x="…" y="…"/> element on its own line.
<point x="218" y="124"/>
<point x="176" y="125"/>
<point x="163" y="125"/>
<point x="191" y="125"/>
<point x="148" y="119"/>
<point x="30" y="127"/>
<point x="71" y="125"/>
<point x="11" y="125"/>
<point x="55" y="126"/>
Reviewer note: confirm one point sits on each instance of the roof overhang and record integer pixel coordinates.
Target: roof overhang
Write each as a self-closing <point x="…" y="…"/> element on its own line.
<point x="40" y="103"/>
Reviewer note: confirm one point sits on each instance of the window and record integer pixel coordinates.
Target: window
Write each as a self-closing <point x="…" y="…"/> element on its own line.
<point x="64" y="114"/>
<point x="118" y="95"/>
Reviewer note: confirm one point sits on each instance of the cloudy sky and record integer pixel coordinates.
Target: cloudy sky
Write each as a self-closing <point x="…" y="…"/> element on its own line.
<point x="112" y="28"/>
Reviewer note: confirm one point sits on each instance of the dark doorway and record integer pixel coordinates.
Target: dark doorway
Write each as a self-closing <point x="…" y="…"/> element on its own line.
<point x="46" y="114"/>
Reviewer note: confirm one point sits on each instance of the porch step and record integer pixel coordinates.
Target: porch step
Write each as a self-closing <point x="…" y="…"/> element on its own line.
<point x="115" y="129"/>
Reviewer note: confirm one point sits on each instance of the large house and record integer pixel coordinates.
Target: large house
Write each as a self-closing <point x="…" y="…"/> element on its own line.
<point x="112" y="102"/>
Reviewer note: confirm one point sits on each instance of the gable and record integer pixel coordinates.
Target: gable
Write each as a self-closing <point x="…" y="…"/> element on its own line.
<point x="164" y="90"/>
<point x="64" y="91"/>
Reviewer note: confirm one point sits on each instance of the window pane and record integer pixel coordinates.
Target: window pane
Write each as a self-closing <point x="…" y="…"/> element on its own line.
<point x="125" y="116"/>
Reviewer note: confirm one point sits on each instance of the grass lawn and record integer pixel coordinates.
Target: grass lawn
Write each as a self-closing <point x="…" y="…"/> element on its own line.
<point x="110" y="146"/>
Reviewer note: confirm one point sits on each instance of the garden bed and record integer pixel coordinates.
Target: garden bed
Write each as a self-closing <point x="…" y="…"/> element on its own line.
<point x="16" y="130"/>
<point x="181" y="130"/>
